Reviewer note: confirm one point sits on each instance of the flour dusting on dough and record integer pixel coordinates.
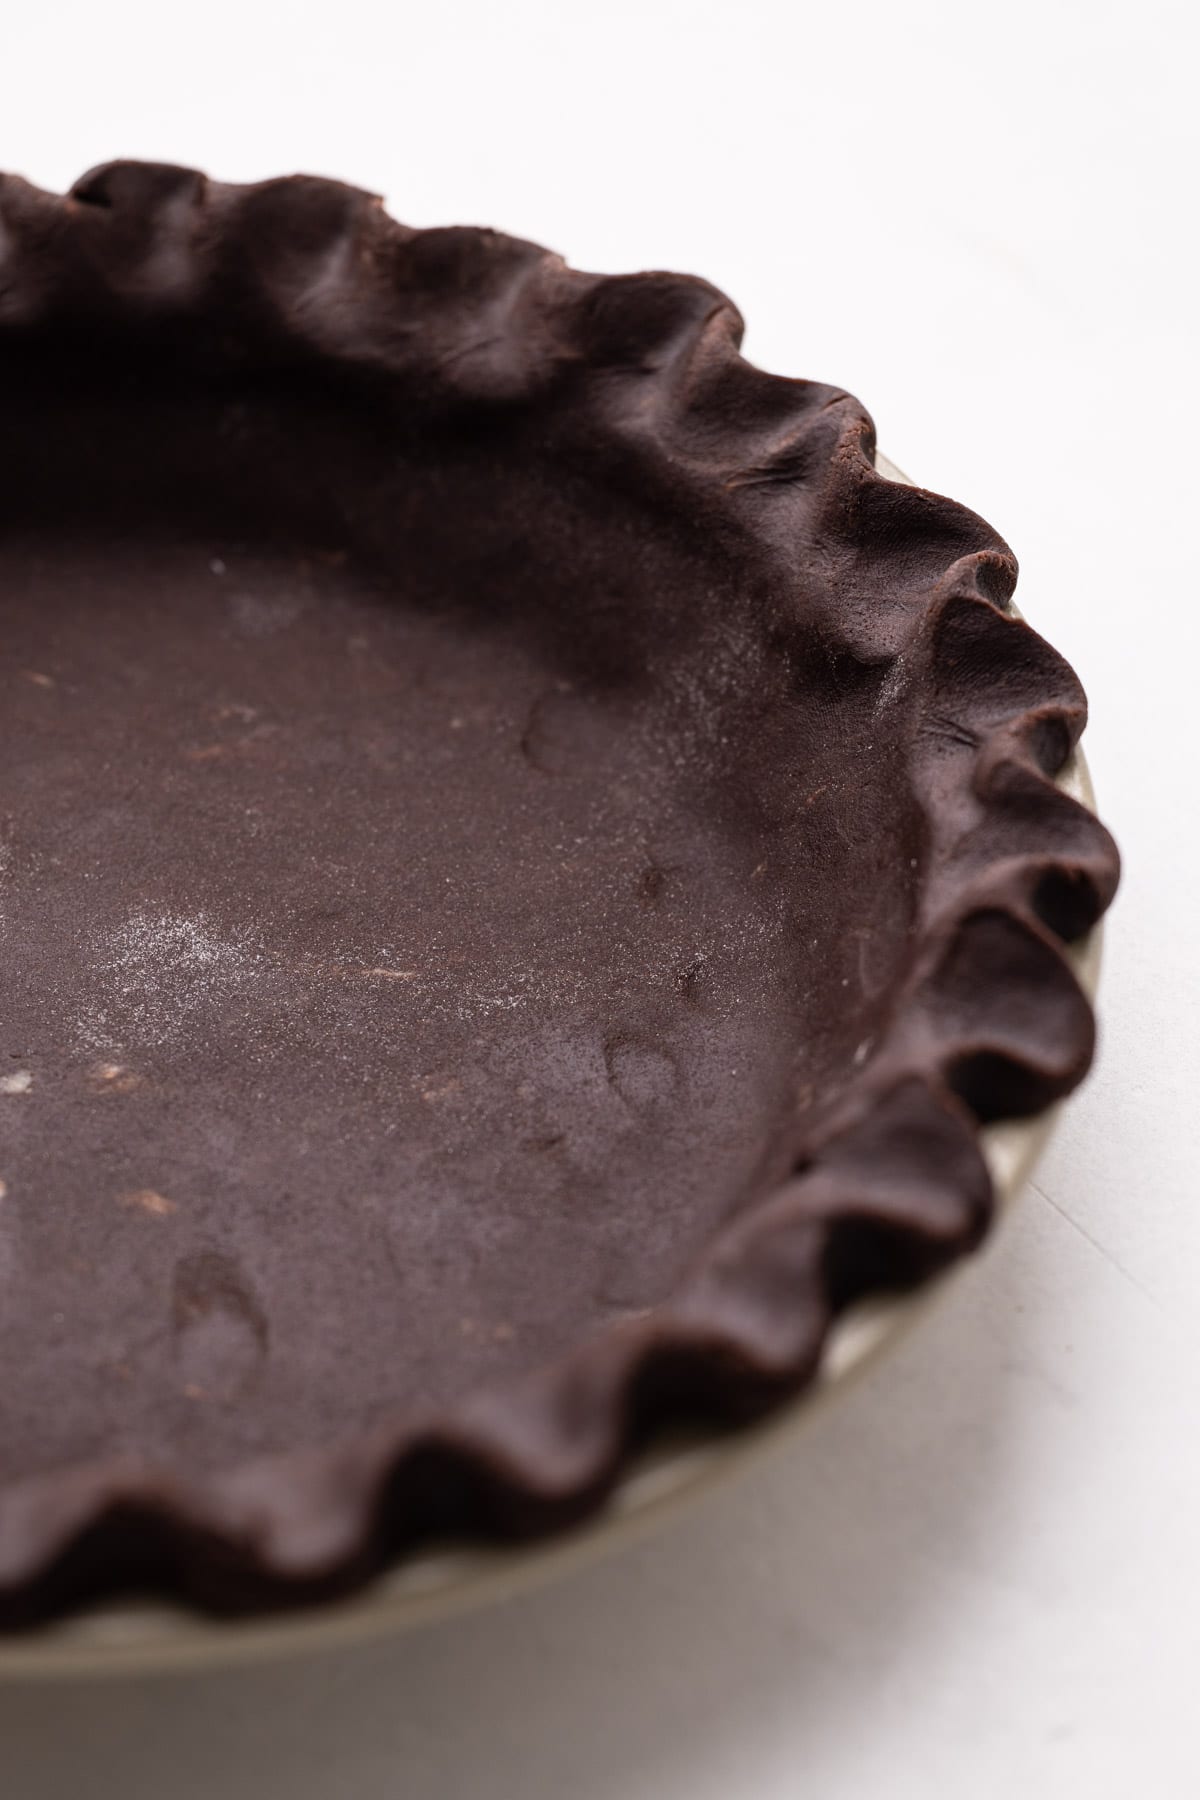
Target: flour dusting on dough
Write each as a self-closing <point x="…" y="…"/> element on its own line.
<point x="159" y="970"/>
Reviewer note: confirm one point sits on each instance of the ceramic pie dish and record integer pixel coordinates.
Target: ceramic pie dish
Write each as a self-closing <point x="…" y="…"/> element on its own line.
<point x="528" y="864"/>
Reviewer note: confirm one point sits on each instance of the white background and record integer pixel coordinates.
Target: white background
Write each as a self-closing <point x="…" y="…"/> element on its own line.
<point x="979" y="1574"/>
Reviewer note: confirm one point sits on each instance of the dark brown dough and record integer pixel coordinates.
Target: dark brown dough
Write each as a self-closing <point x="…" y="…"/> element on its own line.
<point x="523" y="863"/>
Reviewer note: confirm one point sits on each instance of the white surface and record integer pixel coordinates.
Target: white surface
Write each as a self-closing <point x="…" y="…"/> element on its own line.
<point x="982" y="1571"/>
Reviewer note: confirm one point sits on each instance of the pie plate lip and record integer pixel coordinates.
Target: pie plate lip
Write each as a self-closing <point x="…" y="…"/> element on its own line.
<point x="144" y="1636"/>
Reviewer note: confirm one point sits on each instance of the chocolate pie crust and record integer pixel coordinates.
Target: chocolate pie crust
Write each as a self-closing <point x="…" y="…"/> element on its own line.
<point x="524" y="865"/>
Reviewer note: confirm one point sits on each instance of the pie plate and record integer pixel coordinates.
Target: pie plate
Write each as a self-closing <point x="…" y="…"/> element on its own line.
<point x="548" y="894"/>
